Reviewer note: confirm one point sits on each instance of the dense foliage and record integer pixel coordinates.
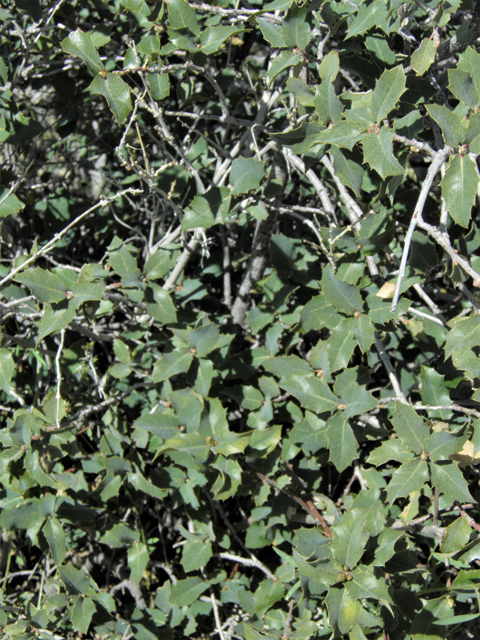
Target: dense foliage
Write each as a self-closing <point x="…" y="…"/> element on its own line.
<point x="240" y="330"/>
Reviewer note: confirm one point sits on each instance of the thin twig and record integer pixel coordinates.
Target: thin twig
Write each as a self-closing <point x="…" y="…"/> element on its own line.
<point x="437" y="162"/>
<point x="188" y="251"/>
<point x="388" y="366"/>
<point x="59" y="376"/>
<point x="51" y="243"/>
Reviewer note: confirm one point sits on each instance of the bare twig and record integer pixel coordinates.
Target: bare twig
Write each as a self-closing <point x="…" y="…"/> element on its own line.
<point x="437" y="162"/>
<point x="51" y="243"/>
<point x="59" y="377"/>
<point x="182" y="262"/>
<point x="388" y="366"/>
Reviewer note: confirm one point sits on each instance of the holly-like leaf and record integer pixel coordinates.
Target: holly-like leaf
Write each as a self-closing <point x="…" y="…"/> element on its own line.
<point x="116" y="92"/>
<point x="465" y="333"/>
<point x="378" y="152"/>
<point x="449" y="479"/>
<point x="343" y="296"/>
<point x="410" y="427"/>
<point x="312" y="393"/>
<point x="459" y="188"/>
<point x="283" y="61"/>
<point x="45" y="286"/>
<point x="411" y="476"/>
<point x="423" y="58"/>
<point x="451" y="124"/>
<point x="82" y="612"/>
<point x="342" y="443"/>
<point x="184" y="592"/>
<point x="246" y="175"/>
<point x="211" y="207"/>
<point x="212" y="38"/>
<point x="9" y="204"/>
<point x="7" y="367"/>
<point x="182" y="16"/>
<point x="80" y="44"/>
<point x="138" y="558"/>
<point x="388" y="90"/>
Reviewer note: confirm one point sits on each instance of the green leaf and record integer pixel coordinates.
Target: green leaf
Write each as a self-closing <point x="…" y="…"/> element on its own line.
<point x="80" y="44"/>
<point x="356" y="398"/>
<point x="322" y="572"/>
<point x="448" y="478"/>
<point x="271" y="32"/>
<point x="55" y="535"/>
<point x="462" y="86"/>
<point x="283" y="61"/>
<point x="343" y="611"/>
<point x="342" y="443"/>
<point x="45" y="286"/>
<point x="75" y="581"/>
<point x="302" y="92"/>
<point x="82" y="612"/>
<point x="343" y="134"/>
<point x="350" y="538"/>
<point x="450" y="123"/>
<point x="213" y="206"/>
<point x="410" y="427"/>
<point x="457" y="535"/>
<point x="182" y="16"/>
<point x="268" y="593"/>
<point x="349" y="172"/>
<point x="172" y="363"/>
<point x="459" y="188"/>
<point x="312" y="393"/>
<point x="295" y="29"/>
<point x="340" y="347"/>
<point x="390" y="450"/>
<point x="299" y="140"/>
<point x="9" y="205"/>
<point x="120" y="535"/>
<point x="287" y="366"/>
<point x="386" y="94"/>
<point x="467" y="617"/>
<point x="327" y="105"/>
<point x="343" y="296"/>
<point x="363" y="329"/>
<point x="159" y="264"/>
<point x="443" y="445"/>
<point x="116" y="92"/>
<point x="159" y="304"/>
<point x="187" y="591"/>
<point x="85" y="292"/>
<point x="465" y="333"/>
<point x="194" y="444"/>
<point x="373" y="14"/>
<point x="213" y="37"/>
<point x="423" y="58"/>
<point x="196" y="553"/>
<point x="365" y="585"/>
<point x="138" y="558"/>
<point x="7" y="367"/>
<point x="246" y="175"/>
<point x="411" y="476"/>
<point x="378" y="152"/>
<point x="434" y="392"/>
<point x="425" y="625"/>
<point x="204" y="339"/>
<point x="469" y="62"/>
<point x="159" y="84"/>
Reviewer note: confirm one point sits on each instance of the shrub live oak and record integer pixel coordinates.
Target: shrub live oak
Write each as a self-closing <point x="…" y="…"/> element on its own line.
<point x="240" y="322"/>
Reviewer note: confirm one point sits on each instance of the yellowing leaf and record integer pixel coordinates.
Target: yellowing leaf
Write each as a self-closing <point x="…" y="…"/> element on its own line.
<point x="386" y="291"/>
<point x="466" y="456"/>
